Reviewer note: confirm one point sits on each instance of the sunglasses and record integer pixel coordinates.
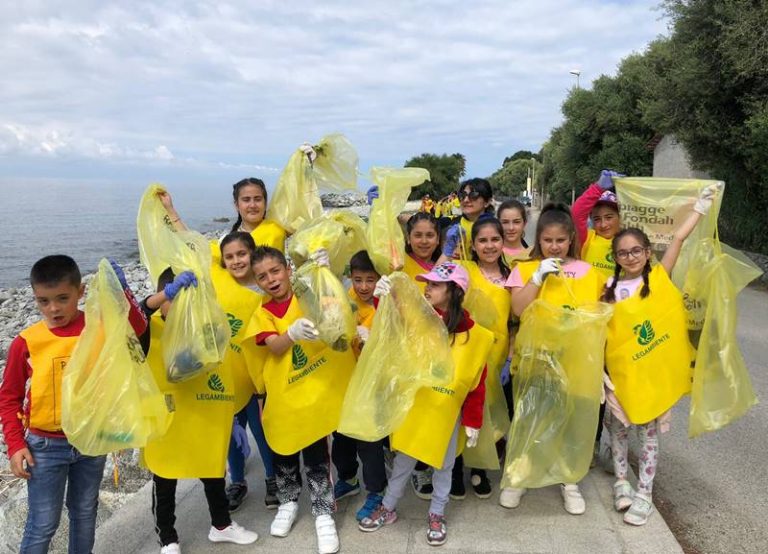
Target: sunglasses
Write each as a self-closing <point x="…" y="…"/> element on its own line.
<point x="472" y="195"/>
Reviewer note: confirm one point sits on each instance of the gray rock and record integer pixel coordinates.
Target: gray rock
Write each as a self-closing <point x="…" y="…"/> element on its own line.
<point x="343" y="200"/>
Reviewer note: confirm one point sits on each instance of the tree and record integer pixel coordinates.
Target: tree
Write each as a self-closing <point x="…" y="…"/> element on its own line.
<point x="445" y="172"/>
<point x="521" y="155"/>
<point x="710" y="89"/>
<point x="511" y="179"/>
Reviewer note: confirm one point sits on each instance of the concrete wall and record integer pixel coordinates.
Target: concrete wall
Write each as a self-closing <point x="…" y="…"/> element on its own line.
<point x="671" y="160"/>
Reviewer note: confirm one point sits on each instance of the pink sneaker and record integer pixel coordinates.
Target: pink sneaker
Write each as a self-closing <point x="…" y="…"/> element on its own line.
<point x="378" y="519"/>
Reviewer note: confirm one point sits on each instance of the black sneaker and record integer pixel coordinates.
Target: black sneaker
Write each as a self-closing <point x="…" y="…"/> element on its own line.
<point x="270" y="499"/>
<point x="480" y="483"/>
<point x="422" y="483"/>
<point x="458" y="490"/>
<point x="236" y="493"/>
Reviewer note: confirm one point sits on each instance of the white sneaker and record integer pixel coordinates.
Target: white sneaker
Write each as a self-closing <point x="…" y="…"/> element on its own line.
<point x="327" y="538"/>
<point x="234" y="533"/>
<point x="572" y="500"/>
<point x="286" y="515"/>
<point x="172" y="548"/>
<point x="510" y="498"/>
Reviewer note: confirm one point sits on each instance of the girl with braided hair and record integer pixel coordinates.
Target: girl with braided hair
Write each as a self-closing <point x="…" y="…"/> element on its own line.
<point x="647" y="354"/>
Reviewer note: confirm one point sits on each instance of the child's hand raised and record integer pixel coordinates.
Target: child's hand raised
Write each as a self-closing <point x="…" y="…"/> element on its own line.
<point x="166" y="200"/>
<point x="182" y="281"/>
<point x="20" y="462"/>
<point x="706" y="197"/>
<point x="383" y="287"/>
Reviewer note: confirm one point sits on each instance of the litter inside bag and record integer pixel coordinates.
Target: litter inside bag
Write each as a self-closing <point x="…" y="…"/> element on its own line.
<point x="340" y="232"/>
<point x="557" y="393"/>
<point x="408" y="348"/>
<point x="336" y="165"/>
<point x="109" y="398"/>
<point x="386" y="242"/>
<point x="722" y="390"/>
<point x="196" y="333"/>
<point x="325" y="302"/>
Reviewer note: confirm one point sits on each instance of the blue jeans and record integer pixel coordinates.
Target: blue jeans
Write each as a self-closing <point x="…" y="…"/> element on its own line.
<point x="58" y="465"/>
<point x="252" y="415"/>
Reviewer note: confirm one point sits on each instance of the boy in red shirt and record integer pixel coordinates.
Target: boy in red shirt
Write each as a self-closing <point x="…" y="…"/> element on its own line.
<point x="30" y="409"/>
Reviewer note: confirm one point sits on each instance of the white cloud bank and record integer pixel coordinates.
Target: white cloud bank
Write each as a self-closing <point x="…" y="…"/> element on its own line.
<point x="240" y="84"/>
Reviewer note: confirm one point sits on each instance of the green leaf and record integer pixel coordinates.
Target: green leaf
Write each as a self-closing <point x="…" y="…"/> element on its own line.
<point x="298" y="357"/>
<point x="215" y="384"/>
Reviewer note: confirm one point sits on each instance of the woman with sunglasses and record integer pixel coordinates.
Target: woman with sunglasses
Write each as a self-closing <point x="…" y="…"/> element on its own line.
<point x="476" y="197"/>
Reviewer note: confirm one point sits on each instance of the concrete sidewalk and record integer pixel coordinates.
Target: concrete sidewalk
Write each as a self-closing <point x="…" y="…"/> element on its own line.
<point x="539" y="525"/>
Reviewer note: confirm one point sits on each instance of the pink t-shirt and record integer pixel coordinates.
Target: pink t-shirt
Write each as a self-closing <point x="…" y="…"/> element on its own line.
<point x="626" y="287"/>
<point x="573" y="269"/>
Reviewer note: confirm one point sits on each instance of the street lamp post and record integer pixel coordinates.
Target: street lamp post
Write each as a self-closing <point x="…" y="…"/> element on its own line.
<point x="576" y="72"/>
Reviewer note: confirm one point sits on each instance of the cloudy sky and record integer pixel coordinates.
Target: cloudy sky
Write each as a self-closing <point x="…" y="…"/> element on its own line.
<point x="179" y="90"/>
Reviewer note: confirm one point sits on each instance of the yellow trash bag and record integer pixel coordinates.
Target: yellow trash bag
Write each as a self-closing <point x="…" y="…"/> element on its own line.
<point x="296" y="198"/>
<point x="109" y="398"/>
<point x="483" y="455"/>
<point x="557" y="393"/>
<point x="386" y="242"/>
<point x="196" y="332"/>
<point x="340" y="232"/>
<point x="336" y="165"/>
<point x="658" y="206"/>
<point x="408" y="348"/>
<point x="722" y="390"/>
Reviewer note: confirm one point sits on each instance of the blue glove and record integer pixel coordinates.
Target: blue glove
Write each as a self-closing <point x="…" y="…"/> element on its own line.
<point x="182" y="281"/>
<point x="605" y="181"/>
<point x="505" y="372"/>
<point x="240" y="437"/>
<point x="372" y="194"/>
<point x="452" y="238"/>
<point x="119" y="272"/>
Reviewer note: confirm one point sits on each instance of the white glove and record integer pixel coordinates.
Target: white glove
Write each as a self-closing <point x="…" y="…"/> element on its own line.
<point x="472" y="436"/>
<point x="547" y="266"/>
<point x="607" y="384"/>
<point x="302" y="329"/>
<point x="363" y="333"/>
<point x="320" y="257"/>
<point x="383" y="286"/>
<point x="706" y="197"/>
<point x="309" y="151"/>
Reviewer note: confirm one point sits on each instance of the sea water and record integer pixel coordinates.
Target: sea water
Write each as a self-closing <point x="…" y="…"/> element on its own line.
<point x="89" y="220"/>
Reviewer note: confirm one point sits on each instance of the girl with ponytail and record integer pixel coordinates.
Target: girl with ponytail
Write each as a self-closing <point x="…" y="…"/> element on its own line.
<point x="647" y="355"/>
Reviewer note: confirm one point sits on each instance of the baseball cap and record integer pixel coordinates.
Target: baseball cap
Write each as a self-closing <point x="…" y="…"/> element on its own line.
<point x="445" y="272"/>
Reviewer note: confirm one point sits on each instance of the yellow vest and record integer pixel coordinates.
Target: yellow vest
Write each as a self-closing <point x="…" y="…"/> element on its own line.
<point x="305" y="386"/>
<point x="427" y="428"/>
<point x="239" y="304"/>
<point x="597" y="251"/>
<point x="364" y="311"/>
<point x="513" y="259"/>
<point x="501" y="300"/>
<point x="412" y="269"/>
<point x="566" y="291"/>
<point x="647" y="353"/>
<point x="464" y="248"/>
<point x="267" y="233"/>
<point x="48" y="357"/>
<point x="202" y="410"/>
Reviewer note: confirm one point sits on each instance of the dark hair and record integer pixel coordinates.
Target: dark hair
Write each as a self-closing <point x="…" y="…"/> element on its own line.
<point x="261" y="253"/>
<point x="361" y="261"/>
<point x="454" y="315"/>
<point x="52" y="270"/>
<point x="496" y="224"/>
<point x="514" y="205"/>
<point x="481" y="186"/>
<point x="243" y="237"/>
<point x="165" y="278"/>
<point x="411" y="223"/>
<point x="556" y="214"/>
<point x="236" y="195"/>
<point x="609" y="292"/>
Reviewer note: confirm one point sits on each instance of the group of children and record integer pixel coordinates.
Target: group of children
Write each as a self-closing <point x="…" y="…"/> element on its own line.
<point x="288" y="386"/>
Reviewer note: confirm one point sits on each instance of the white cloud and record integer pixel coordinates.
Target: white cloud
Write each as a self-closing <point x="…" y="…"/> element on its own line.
<point x="243" y="82"/>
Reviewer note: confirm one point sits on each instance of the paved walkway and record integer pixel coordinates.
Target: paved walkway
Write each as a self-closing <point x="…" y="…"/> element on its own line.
<point x="539" y="525"/>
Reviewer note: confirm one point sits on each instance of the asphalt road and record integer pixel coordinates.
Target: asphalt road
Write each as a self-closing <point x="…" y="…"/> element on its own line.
<point x="713" y="490"/>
